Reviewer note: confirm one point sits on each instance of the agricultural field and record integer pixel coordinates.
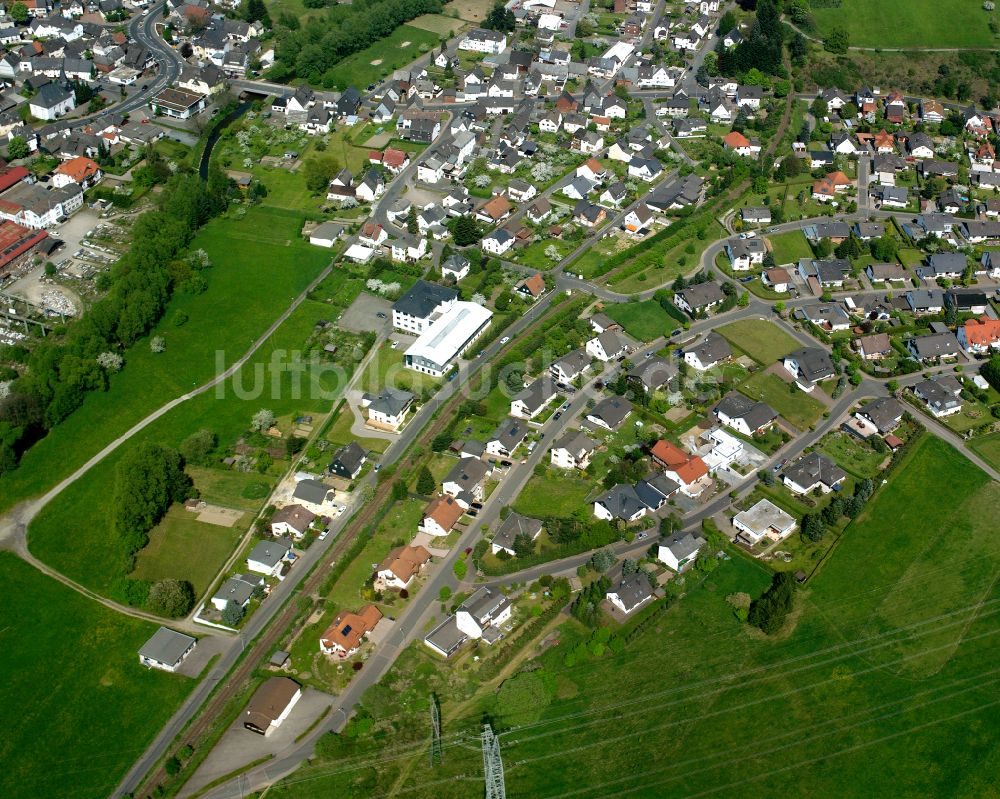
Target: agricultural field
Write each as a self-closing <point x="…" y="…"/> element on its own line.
<point x="77" y="707"/>
<point x="762" y="341"/>
<point x="871" y="668"/>
<point x="257" y="260"/>
<point x="920" y="24"/>
<point x="795" y="405"/>
<point x="437" y="23"/>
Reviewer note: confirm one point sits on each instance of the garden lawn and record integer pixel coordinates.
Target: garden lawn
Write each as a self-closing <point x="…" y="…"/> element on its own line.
<point x="787" y="248"/>
<point x="396" y="50"/>
<point x="387" y="369"/>
<point x="73" y="533"/>
<point x="762" y="341"/>
<point x="221" y="486"/>
<point x="77" y="708"/>
<point x="851" y="454"/>
<point x="182" y="548"/>
<point x="559" y="493"/>
<point x="259" y="265"/>
<point x="916" y="24"/>
<point x="888" y="659"/>
<point x="643" y="320"/>
<point x="795" y="405"/>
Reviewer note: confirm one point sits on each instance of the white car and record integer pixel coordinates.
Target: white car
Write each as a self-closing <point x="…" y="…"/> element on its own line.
<point x="750" y="234"/>
<point x="504" y="340"/>
<point x="395" y="344"/>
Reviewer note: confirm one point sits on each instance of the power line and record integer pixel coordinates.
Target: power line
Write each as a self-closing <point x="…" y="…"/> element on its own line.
<point x="492" y="765"/>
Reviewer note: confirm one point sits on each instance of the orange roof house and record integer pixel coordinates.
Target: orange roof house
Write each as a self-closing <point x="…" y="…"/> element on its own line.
<point x="440" y="516"/>
<point x="827" y="187"/>
<point x="979" y="335"/>
<point x="734" y="140"/>
<point x="496" y="209"/>
<point x="534" y="285"/>
<point x="401" y="564"/>
<point x="884" y="142"/>
<point x="80" y="170"/>
<point x="685" y="468"/>
<point x="343" y="637"/>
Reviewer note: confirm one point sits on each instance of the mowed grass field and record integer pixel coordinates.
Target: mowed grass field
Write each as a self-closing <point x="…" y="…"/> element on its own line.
<point x="644" y="320"/>
<point x="74" y="532"/>
<point x="795" y="405"/>
<point x="77" y="708"/>
<point x="762" y="341"/>
<point x="918" y="24"/>
<point x="787" y="248"/>
<point x="393" y="52"/>
<point x="884" y="683"/>
<point x="259" y="265"/>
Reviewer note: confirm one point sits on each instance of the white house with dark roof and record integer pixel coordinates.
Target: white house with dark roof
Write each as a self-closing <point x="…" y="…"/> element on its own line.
<point x="811" y="471"/>
<point x="572" y="451"/>
<point x="510" y="528"/>
<point x="631" y="593"/>
<point x="532" y="400"/>
<point x="607" y="346"/>
<point x="388" y="408"/>
<point x="421" y="305"/>
<point x="809" y="365"/>
<point x="680" y="550"/>
<point x="744" y="415"/>
<point x="708" y="353"/>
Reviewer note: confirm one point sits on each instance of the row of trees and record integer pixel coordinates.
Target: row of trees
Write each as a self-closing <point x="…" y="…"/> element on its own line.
<point x="770" y="610"/>
<point x="64" y="367"/>
<point x="814" y="525"/>
<point x="322" y="42"/>
<point x="148" y="480"/>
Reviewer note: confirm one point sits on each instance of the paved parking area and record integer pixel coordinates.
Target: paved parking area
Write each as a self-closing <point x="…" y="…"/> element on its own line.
<point x="362" y="315"/>
<point x="239" y="747"/>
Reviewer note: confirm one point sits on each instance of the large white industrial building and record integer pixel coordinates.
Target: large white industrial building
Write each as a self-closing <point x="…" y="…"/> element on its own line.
<point x="447" y="338"/>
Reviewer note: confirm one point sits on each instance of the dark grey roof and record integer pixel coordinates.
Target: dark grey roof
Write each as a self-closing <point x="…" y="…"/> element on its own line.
<point x="712" y="349"/>
<point x="486" y="603"/>
<point x="575" y="442"/>
<point x="935" y="394"/>
<point x="653" y="372"/>
<point x="513" y="526"/>
<point x="935" y="345"/>
<point x="634" y="590"/>
<point x="612" y="410"/>
<point x="314" y="491"/>
<point x="166" y="646"/>
<point x="814" y="363"/>
<point x="350" y="456"/>
<point x="238" y="588"/>
<point x="269" y="553"/>
<point x="468" y="473"/>
<point x="884" y="413"/>
<point x="702" y="294"/>
<point x="755" y="414"/>
<point x="538" y="393"/>
<point x="622" y="501"/>
<point x="509" y="433"/>
<point x="683" y="545"/>
<point x="390" y="401"/>
<point x="421" y="300"/>
<point x="574" y="362"/>
<point x="815" y="468"/>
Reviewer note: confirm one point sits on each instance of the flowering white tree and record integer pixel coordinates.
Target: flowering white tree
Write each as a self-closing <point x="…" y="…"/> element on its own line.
<point x="158" y="344"/>
<point x="262" y="420"/>
<point x="110" y="361"/>
<point x="552" y="253"/>
<point x="482" y="181"/>
<point x="478" y="299"/>
<point x="541" y="171"/>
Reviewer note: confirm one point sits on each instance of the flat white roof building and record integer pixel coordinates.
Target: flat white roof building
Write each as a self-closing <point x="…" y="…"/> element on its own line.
<point x="763" y="519"/>
<point x="620" y="51"/>
<point x="447" y="338"/>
